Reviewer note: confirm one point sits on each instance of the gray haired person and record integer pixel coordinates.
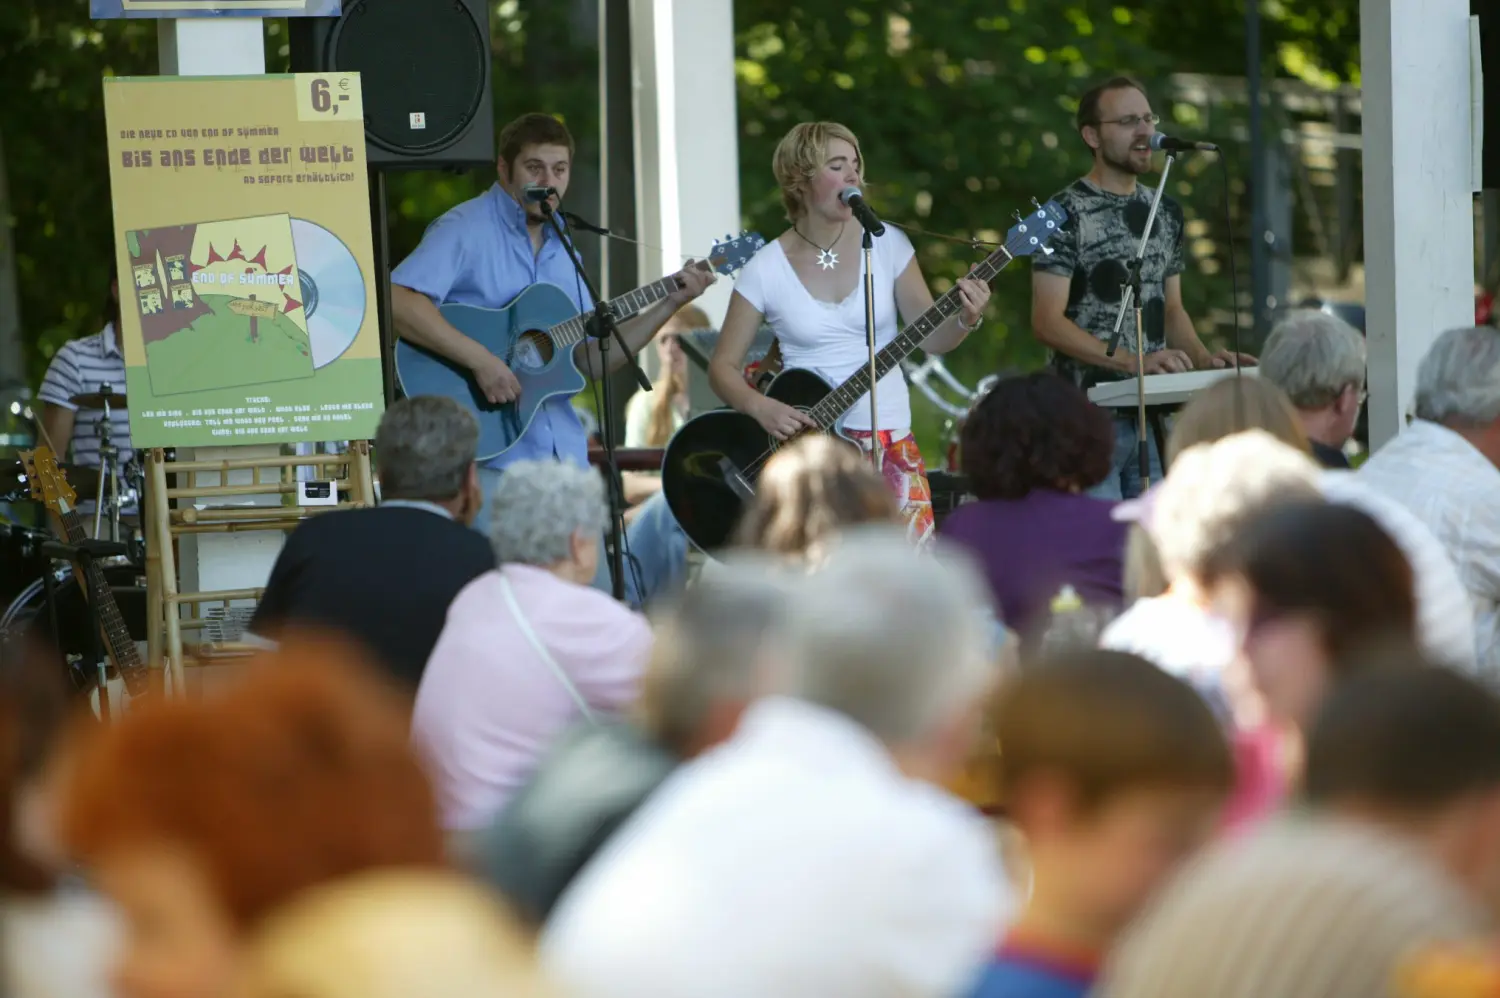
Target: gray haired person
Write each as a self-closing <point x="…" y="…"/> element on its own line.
<point x="386" y="576"/>
<point x="714" y="645"/>
<point x="1318" y="360"/>
<point x="1445" y="468"/>
<point x="551" y="515"/>
<point x="528" y="649"/>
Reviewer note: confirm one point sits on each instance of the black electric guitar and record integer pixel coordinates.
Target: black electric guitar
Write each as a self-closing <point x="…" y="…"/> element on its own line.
<point x="50" y="486"/>
<point x="712" y="463"/>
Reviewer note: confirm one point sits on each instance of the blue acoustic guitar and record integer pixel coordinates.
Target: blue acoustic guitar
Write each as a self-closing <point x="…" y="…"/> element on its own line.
<point x="535" y="335"/>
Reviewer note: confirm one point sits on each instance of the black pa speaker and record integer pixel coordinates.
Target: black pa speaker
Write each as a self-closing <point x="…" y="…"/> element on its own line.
<point x="1488" y="12"/>
<point x="424" y="70"/>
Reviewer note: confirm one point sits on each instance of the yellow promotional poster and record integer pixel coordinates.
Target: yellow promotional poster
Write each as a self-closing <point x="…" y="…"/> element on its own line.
<point x="242" y="228"/>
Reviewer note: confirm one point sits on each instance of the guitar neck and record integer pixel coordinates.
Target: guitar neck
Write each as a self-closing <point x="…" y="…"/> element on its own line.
<point x="122" y="649"/>
<point x="842" y="398"/>
<point x="628" y="305"/>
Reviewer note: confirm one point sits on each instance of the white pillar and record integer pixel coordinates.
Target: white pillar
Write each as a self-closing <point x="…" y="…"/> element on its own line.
<point x="687" y="150"/>
<point x="221" y="46"/>
<point x="211" y="46"/>
<point x="1418" y="188"/>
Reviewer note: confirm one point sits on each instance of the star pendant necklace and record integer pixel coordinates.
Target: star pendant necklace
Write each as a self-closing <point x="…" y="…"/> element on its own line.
<point x="827" y="258"/>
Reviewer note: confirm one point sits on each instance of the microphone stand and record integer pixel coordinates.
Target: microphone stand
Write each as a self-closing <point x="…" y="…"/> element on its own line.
<point x="867" y="245"/>
<point x="1130" y="299"/>
<point x="604" y="329"/>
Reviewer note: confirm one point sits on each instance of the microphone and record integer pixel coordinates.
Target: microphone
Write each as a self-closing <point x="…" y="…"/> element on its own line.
<point x="538" y="193"/>
<point x="1168" y="144"/>
<point x="853" y="197"/>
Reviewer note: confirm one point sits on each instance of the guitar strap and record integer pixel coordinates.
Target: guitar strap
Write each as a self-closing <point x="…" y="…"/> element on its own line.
<point x="541" y="650"/>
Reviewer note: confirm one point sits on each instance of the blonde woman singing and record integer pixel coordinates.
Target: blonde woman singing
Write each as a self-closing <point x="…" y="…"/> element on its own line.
<point x="807" y="285"/>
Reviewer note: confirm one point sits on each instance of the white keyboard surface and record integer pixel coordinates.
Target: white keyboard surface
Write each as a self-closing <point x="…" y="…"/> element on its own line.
<point x="1161" y="389"/>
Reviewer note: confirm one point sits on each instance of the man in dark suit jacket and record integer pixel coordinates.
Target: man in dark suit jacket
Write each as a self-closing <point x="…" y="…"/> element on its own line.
<point x="387" y="575"/>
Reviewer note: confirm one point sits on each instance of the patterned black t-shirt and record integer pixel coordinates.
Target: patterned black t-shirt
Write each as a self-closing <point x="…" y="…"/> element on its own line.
<point x="1094" y="248"/>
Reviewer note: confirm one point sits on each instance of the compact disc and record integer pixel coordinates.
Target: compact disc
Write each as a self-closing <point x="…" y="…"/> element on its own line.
<point x="333" y="290"/>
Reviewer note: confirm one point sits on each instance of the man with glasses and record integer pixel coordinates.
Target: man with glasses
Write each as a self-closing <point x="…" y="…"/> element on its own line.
<point x="1076" y="290"/>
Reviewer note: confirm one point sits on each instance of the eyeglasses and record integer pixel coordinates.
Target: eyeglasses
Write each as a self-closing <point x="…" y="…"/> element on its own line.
<point x="1131" y="120"/>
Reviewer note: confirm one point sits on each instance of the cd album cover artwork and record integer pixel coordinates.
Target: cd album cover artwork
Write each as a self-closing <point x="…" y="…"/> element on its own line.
<point x="111" y="9"/>
<point x="220" y="304"/>
<point x="333" y="290"/>
<point x="246" y="258"/>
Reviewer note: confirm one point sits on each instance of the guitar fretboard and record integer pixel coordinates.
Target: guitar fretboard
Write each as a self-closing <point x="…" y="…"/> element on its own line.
<point x="122" y="648"/>
<point x="576" y="329"/>
<point x="842" y="398"/>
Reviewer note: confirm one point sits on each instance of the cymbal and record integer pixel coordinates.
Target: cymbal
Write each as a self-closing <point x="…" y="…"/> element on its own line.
<point x="96" y="400"/>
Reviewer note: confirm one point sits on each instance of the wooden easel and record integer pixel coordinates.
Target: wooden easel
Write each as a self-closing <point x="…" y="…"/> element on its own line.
<point x="167" y="517"/>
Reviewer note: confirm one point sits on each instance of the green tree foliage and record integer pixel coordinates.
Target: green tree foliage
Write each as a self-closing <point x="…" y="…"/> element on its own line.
<point x="965" y="113"/>
<point x="52" y="59"/>
<point x="964" y="108"/>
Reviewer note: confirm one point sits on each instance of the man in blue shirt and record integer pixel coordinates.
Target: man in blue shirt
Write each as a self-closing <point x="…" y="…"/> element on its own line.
<point x="485" y="252"/>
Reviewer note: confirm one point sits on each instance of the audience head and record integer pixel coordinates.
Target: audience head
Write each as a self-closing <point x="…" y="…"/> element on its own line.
<point x="1415" y="746"/>
<point x="711" y="654"/>
<point x="1115" y="771"/>
<point x="1458" y="385"/>
<point x="424" y="450"/>
<point x="33" y="715"/>
<point x="1236" y="405"/>
<point x="201" y="817"/>
<point x="1214" y="488"/>
<point x="671" y="383"/>
<point x="1309" y="586"/>
<point x="896" y="640"/>
<point x="393" y="934"/>
<point x="810" y="492"/>
<point x="1229" y="406"/>
<point x="1318" y="360"/>
<point x="687" y="319"/>
<point x="549" y="514"/>
<point x="1036" y="431"/>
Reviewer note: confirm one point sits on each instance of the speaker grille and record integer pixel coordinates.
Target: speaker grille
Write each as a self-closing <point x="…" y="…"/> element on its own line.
<point x="422" y="66"/>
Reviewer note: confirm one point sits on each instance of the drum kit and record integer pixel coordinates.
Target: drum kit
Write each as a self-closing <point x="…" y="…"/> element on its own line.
<point x="40" y="596"/>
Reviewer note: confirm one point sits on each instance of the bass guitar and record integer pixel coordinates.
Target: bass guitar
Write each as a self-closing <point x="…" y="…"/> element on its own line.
<point x="50" y="486"/>
<point x="712" y="463"/>
<point x="535" y="335"/>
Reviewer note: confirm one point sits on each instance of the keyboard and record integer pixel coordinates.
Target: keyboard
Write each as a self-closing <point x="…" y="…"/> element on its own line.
<point x="1161" y="389"/>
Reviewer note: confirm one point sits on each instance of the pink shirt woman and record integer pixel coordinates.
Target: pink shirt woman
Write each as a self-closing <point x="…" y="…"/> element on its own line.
<point x="528" y="649"/>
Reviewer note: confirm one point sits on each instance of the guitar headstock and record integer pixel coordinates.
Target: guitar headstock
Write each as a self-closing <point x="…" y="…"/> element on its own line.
<point x="1030" y="234"/>
<point x="730" y="255"/>
<point x="46" y="480"/>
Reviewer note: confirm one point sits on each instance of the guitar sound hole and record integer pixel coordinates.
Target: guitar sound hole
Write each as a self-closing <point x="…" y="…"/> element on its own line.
<point x="533" y="351"/>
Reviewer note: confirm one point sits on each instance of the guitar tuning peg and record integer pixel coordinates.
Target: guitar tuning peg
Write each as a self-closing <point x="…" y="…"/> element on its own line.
<point x="1017" y="216"/>
<point x="1036" y="204"/>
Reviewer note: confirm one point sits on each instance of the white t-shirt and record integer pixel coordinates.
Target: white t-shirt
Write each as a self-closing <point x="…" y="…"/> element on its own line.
<point x="1178" y="638"/>
<point x="829" y="338"/>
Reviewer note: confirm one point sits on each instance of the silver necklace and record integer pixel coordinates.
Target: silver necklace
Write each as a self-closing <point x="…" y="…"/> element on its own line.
<point x="827" y="258"/>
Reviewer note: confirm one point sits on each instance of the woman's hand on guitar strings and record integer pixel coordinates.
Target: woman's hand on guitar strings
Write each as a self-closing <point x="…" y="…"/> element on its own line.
<point x="975" y="294"/>
<point x="779" y="419"/>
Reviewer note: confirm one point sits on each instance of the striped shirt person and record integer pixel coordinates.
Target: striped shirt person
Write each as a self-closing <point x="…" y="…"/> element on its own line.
<point x="79" y="368"/>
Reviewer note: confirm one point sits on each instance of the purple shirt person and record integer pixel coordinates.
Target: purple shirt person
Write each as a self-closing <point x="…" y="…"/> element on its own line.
<point x="1031" y="448"/>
